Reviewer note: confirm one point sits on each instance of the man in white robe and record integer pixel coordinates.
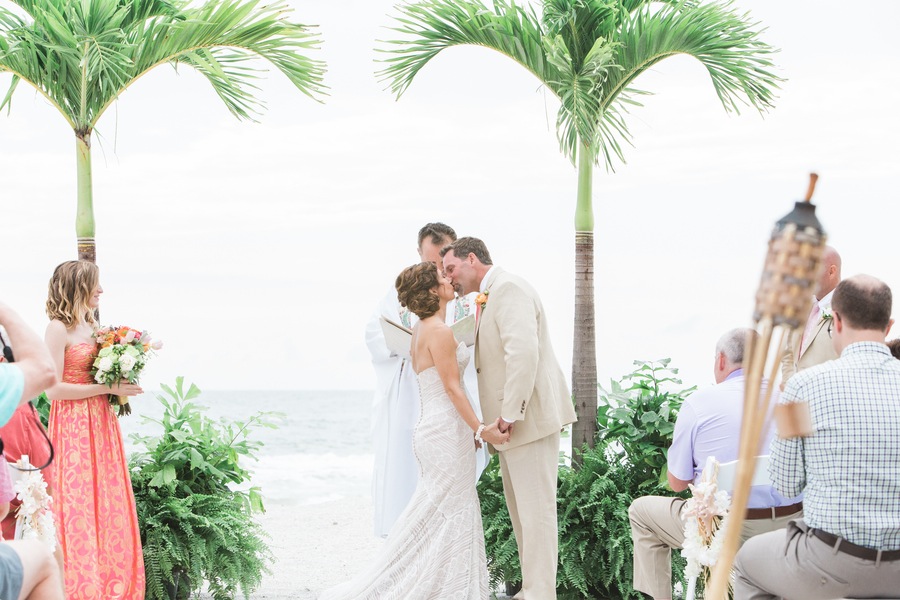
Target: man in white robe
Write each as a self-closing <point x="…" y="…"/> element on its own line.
<point x="396" y="404"/>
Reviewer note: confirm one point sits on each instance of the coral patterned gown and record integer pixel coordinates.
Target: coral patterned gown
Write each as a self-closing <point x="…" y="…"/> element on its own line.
<point x="93" y="506"/>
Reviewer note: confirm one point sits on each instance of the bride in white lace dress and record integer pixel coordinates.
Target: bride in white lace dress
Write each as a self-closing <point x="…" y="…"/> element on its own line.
<point x="436" y="549"/>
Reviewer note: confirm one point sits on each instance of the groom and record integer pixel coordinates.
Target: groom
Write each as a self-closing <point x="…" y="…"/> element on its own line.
<point x="519" y="381"/>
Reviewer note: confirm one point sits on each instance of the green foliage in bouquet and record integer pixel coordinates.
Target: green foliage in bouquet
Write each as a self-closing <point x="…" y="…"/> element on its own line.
<point x="195" y="526"/>
<point x="635" y="424"/>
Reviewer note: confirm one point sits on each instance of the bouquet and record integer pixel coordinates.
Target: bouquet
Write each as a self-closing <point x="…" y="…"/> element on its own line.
<point x="123" y="353"/>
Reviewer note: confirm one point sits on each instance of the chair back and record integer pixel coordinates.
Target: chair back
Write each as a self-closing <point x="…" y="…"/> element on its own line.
<point x="728" y="473"/>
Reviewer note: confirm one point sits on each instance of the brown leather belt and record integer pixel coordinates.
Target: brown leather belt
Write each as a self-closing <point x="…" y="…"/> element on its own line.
<point x="773" y="512"/>
<point x="854" y="550"/>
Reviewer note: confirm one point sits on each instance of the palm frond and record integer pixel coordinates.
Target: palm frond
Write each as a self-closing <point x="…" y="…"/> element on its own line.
<point x="432" y="26"/>
<point x="726" y="43"/>
<point x="220" y="39"/>
<point x="83" y="55"/>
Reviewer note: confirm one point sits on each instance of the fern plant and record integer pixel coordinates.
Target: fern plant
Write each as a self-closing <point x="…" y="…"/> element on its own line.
<point x="195" y="525"/>
<point x="635" y="424"/>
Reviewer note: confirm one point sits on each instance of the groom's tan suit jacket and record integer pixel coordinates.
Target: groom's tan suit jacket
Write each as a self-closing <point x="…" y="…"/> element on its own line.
<point x="519" y="377"/>
<point x="815" y="351"/>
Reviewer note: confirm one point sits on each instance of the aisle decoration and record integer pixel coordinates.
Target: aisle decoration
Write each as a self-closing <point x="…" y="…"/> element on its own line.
<point x="34" y="517"/>
<point x="705" y="523"/>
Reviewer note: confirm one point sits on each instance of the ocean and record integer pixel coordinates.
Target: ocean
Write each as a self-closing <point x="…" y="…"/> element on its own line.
<point x="321" y="452"/>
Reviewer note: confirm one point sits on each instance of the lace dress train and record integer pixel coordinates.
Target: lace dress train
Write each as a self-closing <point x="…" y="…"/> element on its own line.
<point x="436" y="549"/>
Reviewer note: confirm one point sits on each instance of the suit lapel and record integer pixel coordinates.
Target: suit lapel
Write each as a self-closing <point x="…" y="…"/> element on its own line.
<point x="491" y="279"/>
<point x="812" y="338"/>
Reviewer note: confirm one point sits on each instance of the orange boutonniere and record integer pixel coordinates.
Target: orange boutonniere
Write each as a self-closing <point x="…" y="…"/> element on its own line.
<point x="481" y="299"/>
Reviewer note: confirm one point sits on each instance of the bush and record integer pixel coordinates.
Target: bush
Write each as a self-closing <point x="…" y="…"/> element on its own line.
<point x="635" y="424"/>
<point x="195" y="527"/>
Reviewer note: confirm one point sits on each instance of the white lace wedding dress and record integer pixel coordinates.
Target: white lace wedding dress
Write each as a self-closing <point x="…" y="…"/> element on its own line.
<point x="436" y="549"/>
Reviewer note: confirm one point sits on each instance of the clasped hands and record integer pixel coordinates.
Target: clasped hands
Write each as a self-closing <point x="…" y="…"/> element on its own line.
<point x="496" y="433"/>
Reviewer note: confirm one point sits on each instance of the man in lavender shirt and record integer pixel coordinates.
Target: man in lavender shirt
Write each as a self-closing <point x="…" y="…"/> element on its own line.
<point x="708" y="424"/>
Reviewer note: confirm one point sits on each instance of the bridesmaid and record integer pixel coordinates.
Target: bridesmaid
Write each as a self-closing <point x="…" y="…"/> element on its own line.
<point x="94" y="503"/>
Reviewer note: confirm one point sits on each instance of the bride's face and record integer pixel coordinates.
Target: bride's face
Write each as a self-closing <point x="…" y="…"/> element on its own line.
<point x="445" y="289"/>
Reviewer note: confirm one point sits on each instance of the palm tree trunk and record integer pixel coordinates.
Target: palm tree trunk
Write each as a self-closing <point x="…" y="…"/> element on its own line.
<point x="584" y="353"/>
<point x="84" y="218"/>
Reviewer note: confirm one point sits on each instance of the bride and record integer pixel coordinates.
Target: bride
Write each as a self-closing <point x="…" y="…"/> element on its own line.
<point x="436" y="549"/>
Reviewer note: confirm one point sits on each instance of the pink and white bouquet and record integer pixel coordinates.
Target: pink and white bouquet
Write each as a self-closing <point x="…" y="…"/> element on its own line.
<point x="122" y="354"/>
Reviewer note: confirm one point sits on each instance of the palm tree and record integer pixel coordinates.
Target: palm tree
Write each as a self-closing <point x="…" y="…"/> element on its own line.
<point x="82" y="54"/>
<point x="588" y="53"/>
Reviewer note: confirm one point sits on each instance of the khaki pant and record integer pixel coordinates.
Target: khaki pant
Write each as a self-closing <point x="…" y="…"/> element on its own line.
<point x="797" y="565"/>
<point x="656" y="528"/>
<point x="529" y="483"/>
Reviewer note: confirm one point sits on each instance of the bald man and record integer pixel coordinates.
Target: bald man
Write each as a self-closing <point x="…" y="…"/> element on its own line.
<point x="812" y="345"/>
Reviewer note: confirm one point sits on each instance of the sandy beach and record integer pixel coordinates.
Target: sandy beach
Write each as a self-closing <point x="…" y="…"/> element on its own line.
<point x="316" y="547"/>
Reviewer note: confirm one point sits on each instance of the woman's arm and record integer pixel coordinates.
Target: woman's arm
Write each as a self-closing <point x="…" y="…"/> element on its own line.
<point x="55" y="338"/>
<point x="443" y="351"/>
<point x="442" y="347"/>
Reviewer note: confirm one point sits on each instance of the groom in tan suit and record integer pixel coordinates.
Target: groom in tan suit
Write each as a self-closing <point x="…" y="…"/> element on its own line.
<point x="519" y="381"/>
<point x="812" y="345"/>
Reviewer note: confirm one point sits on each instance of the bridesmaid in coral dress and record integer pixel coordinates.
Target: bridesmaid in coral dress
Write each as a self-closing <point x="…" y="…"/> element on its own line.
<point x="94" y="504"/>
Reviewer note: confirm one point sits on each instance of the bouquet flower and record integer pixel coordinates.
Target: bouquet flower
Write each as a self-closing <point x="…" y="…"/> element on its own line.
<point x="122" y="355"/>
<point x="34" y="514"/>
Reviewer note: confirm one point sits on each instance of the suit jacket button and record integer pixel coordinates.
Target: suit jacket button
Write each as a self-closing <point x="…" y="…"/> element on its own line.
<point x="478" y="370"/>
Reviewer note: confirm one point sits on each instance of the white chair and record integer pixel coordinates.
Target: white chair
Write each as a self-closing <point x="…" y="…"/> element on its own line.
<point x="725" y="481"/>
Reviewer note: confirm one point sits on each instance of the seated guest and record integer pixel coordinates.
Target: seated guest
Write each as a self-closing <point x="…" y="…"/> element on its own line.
<point x="848" y="543"/>
<point x="708" y="424"/>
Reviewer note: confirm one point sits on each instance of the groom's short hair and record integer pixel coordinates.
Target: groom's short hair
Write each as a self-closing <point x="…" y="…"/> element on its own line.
<point x="466" y="245"/>
<point x="438" y="232"/>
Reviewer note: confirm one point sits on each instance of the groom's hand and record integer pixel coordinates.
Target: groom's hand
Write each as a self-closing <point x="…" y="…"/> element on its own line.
<point x="504" y="427"/>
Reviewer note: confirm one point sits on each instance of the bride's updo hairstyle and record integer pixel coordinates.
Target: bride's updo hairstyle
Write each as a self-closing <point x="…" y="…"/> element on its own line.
<point x="69" y="292"/>
<point x="416" y="289"/>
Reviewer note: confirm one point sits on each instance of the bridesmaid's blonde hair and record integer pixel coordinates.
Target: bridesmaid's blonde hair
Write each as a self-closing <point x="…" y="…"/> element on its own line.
<point x="70" y="290"/>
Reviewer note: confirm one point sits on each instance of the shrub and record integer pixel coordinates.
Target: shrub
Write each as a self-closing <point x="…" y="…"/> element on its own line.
<point x="635" y="420"/>
<point x="195" y="526"/>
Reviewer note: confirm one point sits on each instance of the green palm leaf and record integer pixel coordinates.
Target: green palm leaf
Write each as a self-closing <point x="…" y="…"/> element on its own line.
<point x="82" y="54"/>
<point x="589" y="53"/>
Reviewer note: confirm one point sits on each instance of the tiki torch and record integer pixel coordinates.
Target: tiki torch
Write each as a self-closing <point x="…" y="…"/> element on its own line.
<point x="783" y="302"/>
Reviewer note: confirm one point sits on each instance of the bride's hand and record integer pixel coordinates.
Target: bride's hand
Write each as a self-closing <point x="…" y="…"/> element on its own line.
<point x="492" y="434"/>
<point x="123" y="388"/>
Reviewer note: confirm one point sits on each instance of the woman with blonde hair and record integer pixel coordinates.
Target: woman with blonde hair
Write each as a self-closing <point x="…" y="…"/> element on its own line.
<point x="94" y="505"/>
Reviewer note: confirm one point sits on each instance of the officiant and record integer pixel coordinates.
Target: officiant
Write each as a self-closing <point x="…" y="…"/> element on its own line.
<point x="396" y="403"/>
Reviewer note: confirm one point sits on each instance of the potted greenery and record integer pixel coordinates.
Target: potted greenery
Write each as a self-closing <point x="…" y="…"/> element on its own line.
<point x="635" y="422"/>
<point x="195" y="526"/>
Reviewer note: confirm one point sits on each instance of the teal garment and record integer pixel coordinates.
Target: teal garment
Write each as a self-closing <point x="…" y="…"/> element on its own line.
<point x="12" y="385"/>
<point x="11" y="572"/>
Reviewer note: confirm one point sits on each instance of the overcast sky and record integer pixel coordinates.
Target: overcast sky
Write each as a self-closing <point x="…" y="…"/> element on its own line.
<point x="258" y="251"/>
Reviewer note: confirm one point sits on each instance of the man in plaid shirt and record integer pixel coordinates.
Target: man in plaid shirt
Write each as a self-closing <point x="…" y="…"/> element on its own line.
<point x="848" y="544"/>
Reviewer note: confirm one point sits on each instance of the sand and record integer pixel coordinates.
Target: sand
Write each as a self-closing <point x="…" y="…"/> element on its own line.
<point x="316" y="547"/>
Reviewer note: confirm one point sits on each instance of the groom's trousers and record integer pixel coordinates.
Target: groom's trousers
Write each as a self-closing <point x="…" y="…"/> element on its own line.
<point x="529" y="482"/>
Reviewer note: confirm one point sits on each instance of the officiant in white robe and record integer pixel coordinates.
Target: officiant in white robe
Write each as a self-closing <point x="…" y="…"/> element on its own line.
<point x="396" y="411"/>
<point x="396" y="403"/>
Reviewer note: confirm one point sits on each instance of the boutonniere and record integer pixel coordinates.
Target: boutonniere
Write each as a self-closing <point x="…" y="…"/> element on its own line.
<point x="481" y="299"/>
<point x="826" y="313"/>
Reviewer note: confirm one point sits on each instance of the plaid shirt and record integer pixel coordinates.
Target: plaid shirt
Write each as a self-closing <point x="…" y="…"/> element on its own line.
<point x="849" y="469"/>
